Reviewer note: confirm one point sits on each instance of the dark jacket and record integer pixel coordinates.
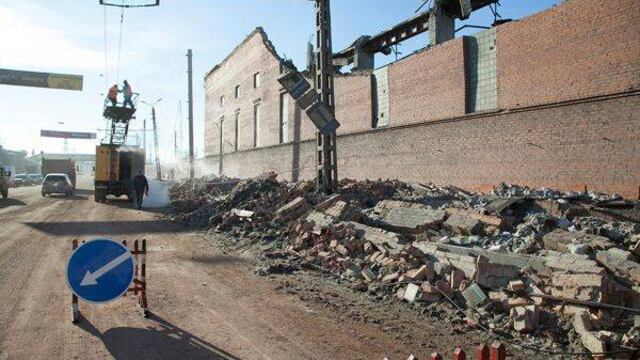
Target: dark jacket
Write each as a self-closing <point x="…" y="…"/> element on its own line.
<point x="140" y="184"/>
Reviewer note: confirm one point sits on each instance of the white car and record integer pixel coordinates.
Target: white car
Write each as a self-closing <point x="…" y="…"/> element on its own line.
<point x="57" y="183"/>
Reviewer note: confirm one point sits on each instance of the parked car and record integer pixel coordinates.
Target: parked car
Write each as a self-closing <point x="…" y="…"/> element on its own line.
<point x="36" y="179"/>
<point x="57" y="184"/>
<point x="21" y="180"/>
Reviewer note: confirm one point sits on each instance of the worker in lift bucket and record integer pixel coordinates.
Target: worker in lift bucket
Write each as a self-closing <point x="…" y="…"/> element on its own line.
<point x="126" y="89"/>
<point x="141" y="187"/>
<point x="113" y="95"/>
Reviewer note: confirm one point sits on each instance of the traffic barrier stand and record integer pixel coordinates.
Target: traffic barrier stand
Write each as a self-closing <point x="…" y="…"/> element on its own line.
<point x="139" y="288"/>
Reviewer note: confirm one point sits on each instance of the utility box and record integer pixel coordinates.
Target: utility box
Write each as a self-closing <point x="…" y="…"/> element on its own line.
<point x="116" y="166"/>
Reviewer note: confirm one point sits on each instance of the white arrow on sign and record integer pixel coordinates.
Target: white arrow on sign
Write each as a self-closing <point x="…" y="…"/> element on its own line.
<point x="90" y="278"/>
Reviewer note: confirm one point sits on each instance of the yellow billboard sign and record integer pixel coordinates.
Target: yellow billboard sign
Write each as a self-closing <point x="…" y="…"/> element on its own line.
<point x="40" y="79"/>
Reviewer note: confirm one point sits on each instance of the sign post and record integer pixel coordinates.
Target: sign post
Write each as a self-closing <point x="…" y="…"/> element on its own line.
<point x="102" y="270"/>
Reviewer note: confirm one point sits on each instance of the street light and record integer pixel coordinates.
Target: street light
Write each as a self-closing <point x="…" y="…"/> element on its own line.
<point x="155" y="136"/>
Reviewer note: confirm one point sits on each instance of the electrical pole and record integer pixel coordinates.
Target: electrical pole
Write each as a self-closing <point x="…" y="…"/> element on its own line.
<point x="155" y="143"/>
<point x="144" y="139"/>
<point x="326" y="157"/>
<point x="190" y="76"/>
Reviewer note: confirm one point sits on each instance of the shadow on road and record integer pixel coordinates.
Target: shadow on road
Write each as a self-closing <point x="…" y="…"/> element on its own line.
<point x="163" y="341"/>
<point x="126" y="204"/>
<point x="75" y="196"/>
<point x="11" y="202"/>
<point x="70" y="228"/>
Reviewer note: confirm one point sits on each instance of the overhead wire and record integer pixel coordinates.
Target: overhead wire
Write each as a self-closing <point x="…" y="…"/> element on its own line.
<point x="120" y="42"/>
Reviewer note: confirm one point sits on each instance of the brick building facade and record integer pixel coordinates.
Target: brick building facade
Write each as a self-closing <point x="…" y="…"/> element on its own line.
<point x="550" y="100"/>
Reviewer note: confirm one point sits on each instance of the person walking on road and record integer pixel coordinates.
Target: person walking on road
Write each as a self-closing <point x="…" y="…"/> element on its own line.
<point x="113" y="95"/>
<point x="141" y="187"/>
<point x="126" y="89"/>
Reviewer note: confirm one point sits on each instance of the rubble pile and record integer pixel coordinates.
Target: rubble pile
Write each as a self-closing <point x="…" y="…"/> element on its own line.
<point x="554" y="269"/>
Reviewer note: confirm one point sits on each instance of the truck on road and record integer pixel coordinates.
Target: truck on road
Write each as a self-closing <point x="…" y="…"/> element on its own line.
<point x="64" y="166"/>
<point x="4" y="182"/>
<point x="116" y="166"/>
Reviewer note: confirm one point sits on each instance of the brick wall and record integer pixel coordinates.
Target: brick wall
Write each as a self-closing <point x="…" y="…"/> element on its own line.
<point x="591" y="143"/>
<point x="429" y="85"/>
<point x="579" y="49"/>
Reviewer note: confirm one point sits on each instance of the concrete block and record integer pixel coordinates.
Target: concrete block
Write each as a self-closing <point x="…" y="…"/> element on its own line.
<point x="494" y="276"/>
<point x="474" y="296"/>
<point x="411" y="220"/>
<point x="294" y="208"/>
<point x="382" y="239"/>
<point x="320" y="221"/>
<point x="590" y="287"/>
<point x="617" y="261"/>
<point x="337" y="210"/>
<point x="559" y="239"/>
<point x="411" y="292"/>
<point x="573" y="263"/>
<point x="463" y="225"/>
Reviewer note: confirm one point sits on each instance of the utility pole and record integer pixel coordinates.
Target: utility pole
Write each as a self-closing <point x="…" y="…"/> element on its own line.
<point x="190" y="76"/>
<point x="155" y="143"/>
<point x="326" y="157"/>
<point x="144" y="139"/>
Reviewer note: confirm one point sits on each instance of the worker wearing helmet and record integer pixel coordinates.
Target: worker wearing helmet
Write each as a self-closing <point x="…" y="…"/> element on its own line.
<point x="113" y="95"/>
<point x="126" y="89"/>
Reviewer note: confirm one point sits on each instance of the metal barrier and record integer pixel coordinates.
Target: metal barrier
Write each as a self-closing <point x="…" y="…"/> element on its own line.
<point x="496" y="351"/>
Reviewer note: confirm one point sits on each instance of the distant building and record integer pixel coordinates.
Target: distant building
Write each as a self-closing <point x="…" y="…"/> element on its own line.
<point x="16" y="161"/>
<point x="549" y="100"/>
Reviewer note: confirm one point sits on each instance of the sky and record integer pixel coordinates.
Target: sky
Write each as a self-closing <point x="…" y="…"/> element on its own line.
<point x="82" y="37"/>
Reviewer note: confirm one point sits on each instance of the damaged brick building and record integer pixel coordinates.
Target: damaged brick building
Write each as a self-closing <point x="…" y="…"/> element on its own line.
<point x="550" y="100"/>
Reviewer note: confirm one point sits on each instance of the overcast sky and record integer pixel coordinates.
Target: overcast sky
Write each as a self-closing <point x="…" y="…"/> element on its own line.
<point x="68" y="36"/>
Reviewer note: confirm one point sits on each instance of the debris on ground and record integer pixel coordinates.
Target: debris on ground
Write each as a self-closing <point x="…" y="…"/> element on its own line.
<point x="524" y="263"/>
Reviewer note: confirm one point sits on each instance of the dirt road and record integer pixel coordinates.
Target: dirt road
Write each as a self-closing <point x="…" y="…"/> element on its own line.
<point x="206" y="304"/>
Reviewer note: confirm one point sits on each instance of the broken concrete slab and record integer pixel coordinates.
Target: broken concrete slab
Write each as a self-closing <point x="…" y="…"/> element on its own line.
<point x="463" y="225"/>
<point x="320" y="221"/>
<point x="338" y="209"/>
<point x="382" y="239"/>
<point x="494" y="276"/>
<point x="590" y="287"/>
<point x="559" y="240"/>
<point x="474" y="296"/>
<point x="487" y="219"/>
<point x="573" y="263"/>
<point x="327" y="203"/>
<point x="242" y="213"/>
<point x="409" y="220"/>
<point x="292" y="209"/>
<point x="617" y="261"/>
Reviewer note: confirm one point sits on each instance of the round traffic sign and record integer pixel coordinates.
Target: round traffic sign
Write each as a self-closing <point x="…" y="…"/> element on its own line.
<point x="100" y="270"/>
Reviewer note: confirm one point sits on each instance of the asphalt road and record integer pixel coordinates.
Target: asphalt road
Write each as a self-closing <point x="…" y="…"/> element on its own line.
<point x="205" y="304"/>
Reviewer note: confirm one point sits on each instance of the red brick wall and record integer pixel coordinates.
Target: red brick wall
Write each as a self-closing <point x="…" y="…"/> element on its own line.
<point x="429" y="85"/>
<point x="579" y="49"/>
<point x="591" y="143"/>
<point x="239" y="69"/>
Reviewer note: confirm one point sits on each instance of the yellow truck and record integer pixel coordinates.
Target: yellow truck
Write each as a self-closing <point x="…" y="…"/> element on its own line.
<point x="116" y="167"/>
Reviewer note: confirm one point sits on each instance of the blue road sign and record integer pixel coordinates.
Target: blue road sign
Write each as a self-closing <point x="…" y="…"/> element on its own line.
<point x="100" y="270"/>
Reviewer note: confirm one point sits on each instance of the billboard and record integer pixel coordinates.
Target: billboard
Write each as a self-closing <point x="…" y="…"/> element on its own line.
<point x="68" y="134"/>
<point x="40" y="79"/>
